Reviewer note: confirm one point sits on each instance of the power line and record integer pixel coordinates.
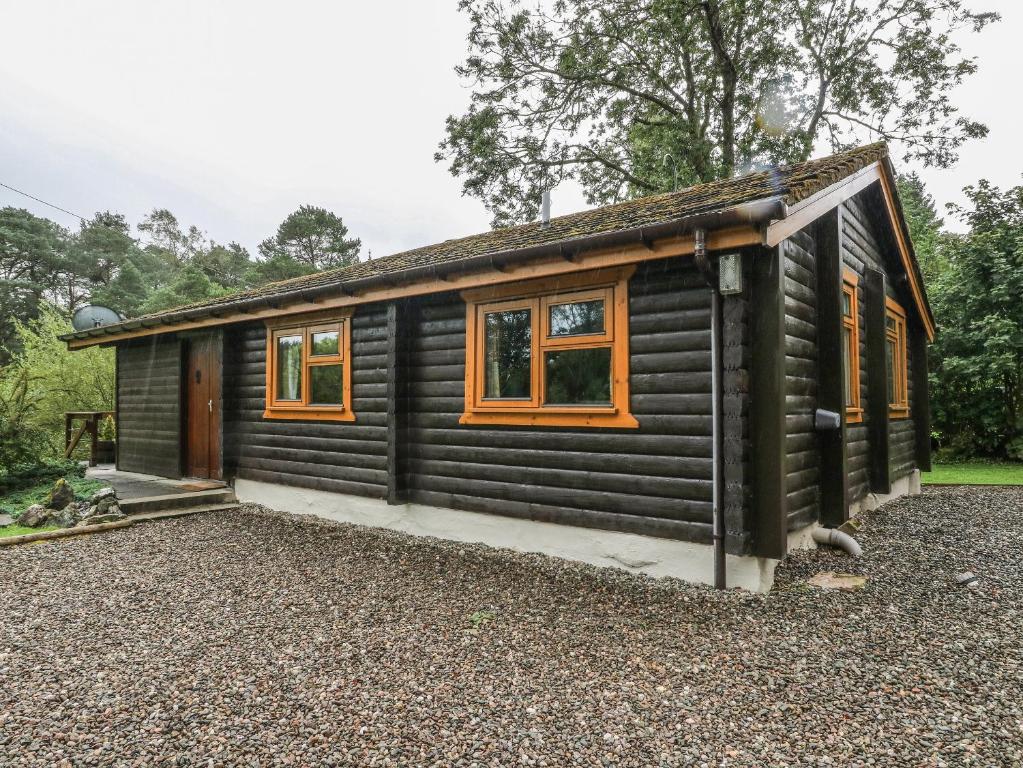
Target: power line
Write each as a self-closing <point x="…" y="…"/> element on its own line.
<point x="38" y="200"/>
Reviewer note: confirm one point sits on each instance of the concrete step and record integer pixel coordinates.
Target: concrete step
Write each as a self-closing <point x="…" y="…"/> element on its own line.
<point x="172" y="501"/>
<point x="142" y="517"/>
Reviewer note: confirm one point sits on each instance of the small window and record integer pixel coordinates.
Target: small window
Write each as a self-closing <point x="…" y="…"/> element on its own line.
<point x="851" y="347"/>
<point x="897" y="359"/>
<point x="549" y="353"/>
<point x="308" y="371"/>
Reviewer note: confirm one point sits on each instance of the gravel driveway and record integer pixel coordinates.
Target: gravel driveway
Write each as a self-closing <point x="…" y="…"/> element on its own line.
<point x="254" y="638"/>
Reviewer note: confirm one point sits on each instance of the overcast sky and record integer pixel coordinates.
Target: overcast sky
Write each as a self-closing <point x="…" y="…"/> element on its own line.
<point x="232" y="113"/>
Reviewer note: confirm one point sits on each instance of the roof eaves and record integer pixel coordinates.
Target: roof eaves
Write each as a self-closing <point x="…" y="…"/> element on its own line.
<point x="753" y="212"/>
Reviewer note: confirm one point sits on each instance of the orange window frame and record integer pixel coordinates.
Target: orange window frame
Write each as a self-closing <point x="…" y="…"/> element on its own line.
<point x="306" y="326"/>
<point x="609" y="285"/>
<point x="851" y="323"/>
<point x="899" y="407"/>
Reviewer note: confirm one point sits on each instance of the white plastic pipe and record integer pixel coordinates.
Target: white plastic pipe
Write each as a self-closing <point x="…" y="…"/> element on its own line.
<point x="833" y="537"/>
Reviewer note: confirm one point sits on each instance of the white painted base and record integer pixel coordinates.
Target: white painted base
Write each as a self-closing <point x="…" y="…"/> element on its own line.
<point x="638" y="554"/>
<point x="908" y="485"/>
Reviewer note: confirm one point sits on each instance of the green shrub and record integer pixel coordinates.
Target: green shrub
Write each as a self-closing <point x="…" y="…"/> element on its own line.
<point x="22" y="440"/>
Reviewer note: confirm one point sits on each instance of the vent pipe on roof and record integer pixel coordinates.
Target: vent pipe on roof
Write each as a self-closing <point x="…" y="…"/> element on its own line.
<point x="545" y="209"/>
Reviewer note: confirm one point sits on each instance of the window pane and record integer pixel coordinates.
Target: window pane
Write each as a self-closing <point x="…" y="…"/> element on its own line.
<point x="846" y="303"/>
<point x="508" y="354"/>
<point x="289" y="368"/>
<point x="579" y="376"/>
<point x="577" y="318"/>
<point x="847" y="356"/>
<point x="325" y="343"/>
<point x="891" y="372"/>
<point x="325" y="384"/>
<point x="889" y="322"/>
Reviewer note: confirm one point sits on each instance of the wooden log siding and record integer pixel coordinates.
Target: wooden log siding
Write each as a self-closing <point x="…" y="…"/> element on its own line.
<point x="652" y="480"/>
<point x="149" y="406"/>
<point x="802" y="480"/>
<point x="864" y="246"/>
<point x="342" y="457"/>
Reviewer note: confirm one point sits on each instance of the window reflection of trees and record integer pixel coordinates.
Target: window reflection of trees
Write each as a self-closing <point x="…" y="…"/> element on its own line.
<point x="508" y="353"/>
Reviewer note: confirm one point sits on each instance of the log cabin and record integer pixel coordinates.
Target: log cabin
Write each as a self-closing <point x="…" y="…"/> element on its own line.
<point x="685" y="384"/>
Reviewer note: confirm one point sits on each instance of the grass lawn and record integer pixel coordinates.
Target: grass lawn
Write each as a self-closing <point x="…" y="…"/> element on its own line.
<point x="20" y="530"/>
<point x="18" y="501"/>
<point x="978" y="473"/>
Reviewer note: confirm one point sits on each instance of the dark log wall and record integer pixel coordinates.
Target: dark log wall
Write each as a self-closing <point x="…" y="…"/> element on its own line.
<point x="149" y="406"/>
<point x="864" y="246"/>
<point x="654" y="480"/>
<point x="342" y="457"/>
<point x="802" y="482"/>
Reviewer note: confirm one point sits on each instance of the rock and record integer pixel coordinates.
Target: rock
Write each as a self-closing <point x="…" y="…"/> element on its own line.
<point x="6" y="520"/>
<point x="60" y="496"/>
<point x="34" y="516"/>
<point x="847" y="582"/>
<point x="112" y="517"/>
<point x="103" y="506"/>
<point x="68" y="516"/>
<point x="101" y="494"/>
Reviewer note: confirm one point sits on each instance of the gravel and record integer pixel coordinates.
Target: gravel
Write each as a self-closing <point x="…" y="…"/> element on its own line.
<point x="254" y="638"/>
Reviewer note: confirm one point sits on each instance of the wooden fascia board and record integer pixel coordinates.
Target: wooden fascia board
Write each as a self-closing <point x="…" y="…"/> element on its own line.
<point x="906" y="253"/>
<point x="716" y="240"/>
<point x="808" y="211"/>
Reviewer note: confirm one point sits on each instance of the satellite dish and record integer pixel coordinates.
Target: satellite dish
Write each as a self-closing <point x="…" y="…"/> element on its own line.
<point x="93" y="316"/>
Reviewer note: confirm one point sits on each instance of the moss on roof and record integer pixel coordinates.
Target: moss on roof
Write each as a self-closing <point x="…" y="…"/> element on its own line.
<point x="790" y="184"/>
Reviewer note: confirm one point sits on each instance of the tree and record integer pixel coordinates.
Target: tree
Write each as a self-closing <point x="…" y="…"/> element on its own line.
<point x="315" y="237"/>
<point x="126" y="292"/>
<point x="601" y="91"/>
<point x="279" y="266"/>
<point x="190" y="285"/>
<point x="977" y="357"/>
<point x="228" y="265"/>
<point x="32" y="255"/>
<point x="56" y="379"/>
<point x="165" y="236"/>
<point x="925" y="226"/>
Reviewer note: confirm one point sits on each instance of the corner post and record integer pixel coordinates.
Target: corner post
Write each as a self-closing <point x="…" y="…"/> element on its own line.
<point x="921" y="405"/>
<point x="393" y="492"/>
<point x="767" y="403"/>
<point x="877" y="381"/>
<point x="831" y="368"/>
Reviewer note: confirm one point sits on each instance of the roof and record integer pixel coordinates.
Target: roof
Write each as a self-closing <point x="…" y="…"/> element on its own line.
<point x="785" y="185"/>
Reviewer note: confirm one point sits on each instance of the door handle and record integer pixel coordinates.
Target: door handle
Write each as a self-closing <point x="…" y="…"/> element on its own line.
<point x="211" y="406"/>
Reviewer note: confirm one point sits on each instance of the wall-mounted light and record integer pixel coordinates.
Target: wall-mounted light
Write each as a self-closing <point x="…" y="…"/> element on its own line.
<point x="730" y="274"/>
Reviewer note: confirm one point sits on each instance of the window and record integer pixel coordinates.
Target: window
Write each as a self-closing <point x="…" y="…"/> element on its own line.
<point x="851" y="347"/>
<point x="897" y="361"/>
<point x="550" y="353"/>
<point x="308" y="368"/>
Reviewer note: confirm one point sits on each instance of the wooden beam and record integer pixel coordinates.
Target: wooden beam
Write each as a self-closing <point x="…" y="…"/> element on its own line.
<point x="877" y="382"/>
<point x="920" y="407"/>
<point x="735" y="237"/>
<point x="767" y="404"/>
<point x="895" y="217"/>
<point x="831" y="363"/>
<point x="805" y="212"/>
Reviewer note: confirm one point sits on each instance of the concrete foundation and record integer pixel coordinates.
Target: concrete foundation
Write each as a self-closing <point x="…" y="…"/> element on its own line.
<point x="908" y="485"/>
<point x="631" y="552"/>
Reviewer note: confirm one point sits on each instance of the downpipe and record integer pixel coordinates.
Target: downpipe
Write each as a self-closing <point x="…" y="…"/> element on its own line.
<point x="832" y="537"/>
<point x="717" y="403"/>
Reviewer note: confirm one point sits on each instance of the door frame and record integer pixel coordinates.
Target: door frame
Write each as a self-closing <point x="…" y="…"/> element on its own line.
<point x="216" y="449"/>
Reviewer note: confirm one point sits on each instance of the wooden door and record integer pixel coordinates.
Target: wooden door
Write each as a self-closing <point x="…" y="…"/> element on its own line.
<point x="202" y="425"/>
